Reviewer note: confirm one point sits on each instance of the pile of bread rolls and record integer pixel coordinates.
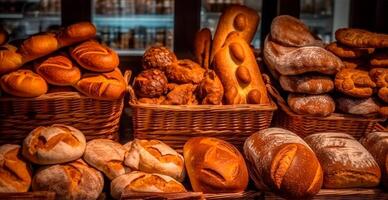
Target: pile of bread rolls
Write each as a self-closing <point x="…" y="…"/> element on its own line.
<point x="65" y="58"/>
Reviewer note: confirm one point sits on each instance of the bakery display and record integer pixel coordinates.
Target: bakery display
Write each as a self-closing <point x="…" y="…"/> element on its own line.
<point x="282" y="162"/>
<point x="214" y="166"/>
<point x="314" y="105"/>
<point x="345" y="162"/>
<point x="202" y="47"/>
<point x="23" y="83"/>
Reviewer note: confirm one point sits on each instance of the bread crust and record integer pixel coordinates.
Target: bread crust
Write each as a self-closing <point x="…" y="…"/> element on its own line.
<point x="361" y="38"/>
<point x="23" y="83"/>
<point x="202" y="47"/>
<point x="150" y="83"/>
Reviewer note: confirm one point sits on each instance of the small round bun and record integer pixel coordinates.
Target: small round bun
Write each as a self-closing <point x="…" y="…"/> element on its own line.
<point x="150" y="83"/>
<point x="158" y="57"/>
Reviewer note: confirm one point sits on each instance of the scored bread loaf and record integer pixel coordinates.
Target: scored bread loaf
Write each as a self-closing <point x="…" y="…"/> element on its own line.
<point x="214" y="166"/>
<point x="348" y="52"/>
<point x="282" y="162"/>
<point x="10" y="60"/>
<point x="345" y="162"/>
<point x="361" y="38"/>
<point x="23" y="83"/>
<point x="315" y="105"/>
<point x="137" y="181"/>
<point x="15" y="173"/>
<point x="239" y="72"/>
<point x="354" y="82"/>
<point x="357" y="106"/>
<point x="210" y="90"/>
<point x="308" y="84"/>
<point x="202" y="47"/>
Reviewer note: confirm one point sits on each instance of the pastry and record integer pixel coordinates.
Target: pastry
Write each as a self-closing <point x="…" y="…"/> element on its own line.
<point x="185" y="71"/>
<point x="181" y="95"/>
<point x="158" y="57"/>
<point x="10" y="60"/>
<point x="361" y="38"/>
<point x="202" y="47"/>
<point x="343" y="51"/>
<point x="357" y="106"/>
<point x="308" y="84"/>
<point x="354" y="82"/>
<point x="210" y="90"/>
<point x="23" y="83"/>
<point x="151" y="83"/>
<point x="379" y="76"/>
<point x="315" y="105"/>
<point x="380" y="58"/>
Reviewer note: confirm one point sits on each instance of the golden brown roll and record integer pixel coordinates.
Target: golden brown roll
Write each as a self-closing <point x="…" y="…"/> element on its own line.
<point x="58" y="70"/>
<point x="143" y="182"/>
<point x="348" y="52"/>
<point x="185" y="71"/>
<point x="75" y="33"/>
<point x="354" y="82"/>
<point x="361" y="38"/>
<point x="282" y="162"/>
<point x="74" y="180"/>
<point x="202" y="47"/>
<point x="103" y="86"/>
<point x="345" y="162"/>
<point x="23" y="83"/>
<point x="15" y="173"/>
<point x="150" y="83"/>
<point x="181" y="95"/>
<point x="10" y="60"/>
<point x="210" y="89"/>
<point x="315" y="105"/>
<point x="214" y="166"/>
<point x="3" y="36"/>
<point x="37" y="46"/>
<point x="307" y="84"/>
<point x="96" y="57"/>
<point x="54" y="144"/>
<point x="158" y="57"/>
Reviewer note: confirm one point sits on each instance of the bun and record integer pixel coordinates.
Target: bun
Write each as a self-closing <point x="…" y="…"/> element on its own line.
<point x="74" y="180"/>
<point x="158" y="57"/>
<point x="54" y="144"/>
<point x="354" y="82"/>
<point x="315" y="105"/>
<point x="235" y="18"/>
<point x="96" y="57"/>
<point x="103" y="86"/>
<point x="361" y="38"/>
<point x="150" y="83"/>
<point x="379" y="59"/>
<point x="15" y="173"/>
<point x="181" y="95"/>
<point x="59" y="70"/>
<point x="142" y="182"/>
<point x="37" y="46"/>
<point x="154" y="156"/>
<point x="214" y="166"/>
<point x="308" y="84"/>
<point x="282" y="162"/>
<point x="348" y="52"/>
<point x="23" y="83"/>
<point x="185" y="71"/>
<point x="237" y="68"/>
<point x="202" y="47"/>
<point x="210" y="89"/>
<point x="76" y="33"/>
<point x="10" y="60"/>
<point x="106" y="156"/>
<point x="357" y="106"/>
<point x="345" y="162"/>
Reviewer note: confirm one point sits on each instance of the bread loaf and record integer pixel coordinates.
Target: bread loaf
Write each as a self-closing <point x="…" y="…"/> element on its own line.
<point x="345" y="162"/>
<point x="10" y="60"/>
<point x="238" y="70"/>
<point x="106" y="156"/>
<point x="202" y="47"/>
<point x="357" y="106"/>
<point x="377" y="144"/>
<point x="235" y="18"/>
<point x="361" y="38"/>
<point x="214" y="166"/>
<point x="354" y="82"/>
<point x="158" y="57"/>
<point x="185" y="71"/>
<point x="150" y="83"/>
<point x="15" y="173"/>
<point x="74" y="180"/>
<point x="75" y="33"/>
<point x="23" y="83"/>
<point x="348" y="52"/>
<point x="308" y="84"/>
<point x="37" y="46"/>
<point x="54" y="144"/>
<point x="154" y="156"/>
<point x="210" y="90"/>
<point x="282" y="162"/>
<point x="143" y="182"/>
<point x="380" y="58"/>
<point x="315" y="105"/>
<point x="181" y="95"/>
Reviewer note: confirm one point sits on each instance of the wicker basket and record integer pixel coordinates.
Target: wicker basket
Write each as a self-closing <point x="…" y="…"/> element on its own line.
<point x="28" y="195"/>
<point x="248" y="195"/>
<point x="95" y="118"/>
<point x="341" y="194"/>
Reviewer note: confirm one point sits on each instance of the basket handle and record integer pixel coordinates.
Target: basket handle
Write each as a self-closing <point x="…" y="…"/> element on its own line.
<point x="273" y="91"/>
<point x="131" y="92"/>
<point x="127" y="75"/>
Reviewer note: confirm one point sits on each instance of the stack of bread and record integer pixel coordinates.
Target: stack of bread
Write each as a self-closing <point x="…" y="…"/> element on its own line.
<point x="303" y="67"/>
<point x="64" y="58"/>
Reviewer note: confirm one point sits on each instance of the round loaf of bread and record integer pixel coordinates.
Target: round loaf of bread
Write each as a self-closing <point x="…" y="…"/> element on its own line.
<point x="143" y="182"/>
<point x="76" y="33"/>
<point x="345" y="162"/>
<point x="37" y="46"/>
<point x="308" y="84"/>
<point x="214" y="166"/>
<point x="54" y="144"/>
<point x="154" y="156"/>
<point x="185" y="71"/>
<point x="95" y="57"/>
<point x="314" y="105"/>
<point x="23" y="83"/>
<point x="74" y="180"/>
<point x="15" y="173"/>
<point x="106" y="156"/>
<point x="158" y="58"/>
<point x="357" y="106"/>
<point x="59" y="70"/>
<point x="282" y="162"/>
<point x="10" y="60"/>
<point x="150" y="83"/>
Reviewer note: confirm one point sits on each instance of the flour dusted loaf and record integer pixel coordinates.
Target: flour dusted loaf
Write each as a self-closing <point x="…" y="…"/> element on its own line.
<point x="282" y="162"/>
<point x="202" y="47"/>
<point x="361" y="38"/>
<point x="307" y="84"/>
<point x="23" y="83"/>
<point x="357" y="106"/>
<point x="315" y="105"/>
<point x="345" y="162"/>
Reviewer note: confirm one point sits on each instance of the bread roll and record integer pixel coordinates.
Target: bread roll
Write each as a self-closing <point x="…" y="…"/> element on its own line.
<point x="210" y="89"/>
<point x="181" y="95"/>
<point x="202" y="47"/>
<point x="361" y="38"/>
<point x="15" y="173"/>
<point x="75" y="33"/>
<point x="150" y="83"/>
<point x="158" y="57"/>
<point x="38" y="46"/>
<point x="308" y="84"/>
<point x="143" y="182"/>
<point x="239" y="72"/>
<point x="23" y="83"/>
<point x="380" y="58"/>
<point x="103" y="86"/>
<point x="74" y="180"/>
<point x="315" y="105"/>
<point x="10" y="60"/>
<point x="357" y="106"/>
<point x="379" y="76"/>
<point x="58" y="70"/>
<point x="154" y="156"/>
<point x="348" y="52"/>
<point x="282" y="162"/>
<point x="345" y="162"/>
<point x="214" y="166"/>
<point x="106" y="156"/>
<point x="235" y="18"/>
<point x="185" y="71"/>
<point x="354" y="82"/>
<point x="54" y="144"/>
<point x="377" y="144"/>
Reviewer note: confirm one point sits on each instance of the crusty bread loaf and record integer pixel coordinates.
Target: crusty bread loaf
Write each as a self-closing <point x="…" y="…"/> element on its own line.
<point x="235" y="18"/>
<point x="74" y="180"/>
<point x="345" y="162"/>
<point x="357" y="106"/>
<point x="308" y="84"/>
<point x="154" y="156"/>
<point x="379" y="58"/>
<point x="54" y="144"/>
<point x="361" y="38"/>
<point x="202" y="47"/>
<point x="106" y="156"/>
<point x="150" y="83"/>
<point x="23" y="83"/>
<point x="315" y="105"/>
<point x="282" y="162"/>
<point x="158" y="57"/>
<point x="37" y="46"/>
<point x="143" y="182"/>
<point x="58" y="70"/>
<point x="348" y="52"/>
<point x="239" y="72"/>
<point x="75" y="33"/>
<point x="15" y="173"/>
<point x="185" y="71"/>
<point x="10" y="60"/>
<point x="210" y="90"/>
<point x="354" y="82"/>
<point x="214" y="166"/>
<point x="377" y="144"/>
